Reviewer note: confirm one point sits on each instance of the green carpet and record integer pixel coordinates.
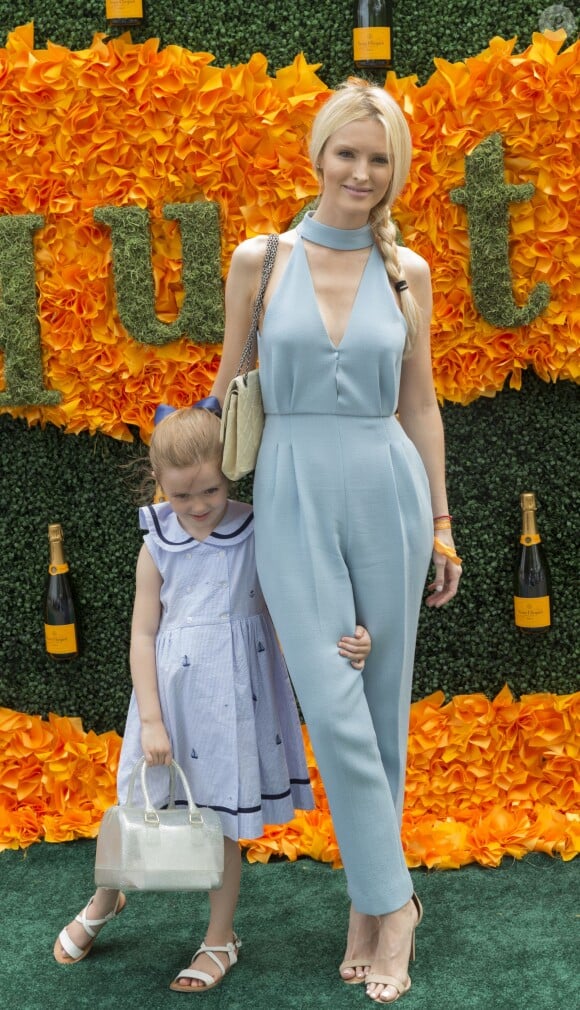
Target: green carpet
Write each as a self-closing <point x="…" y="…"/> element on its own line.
<point x="503" y="938"/>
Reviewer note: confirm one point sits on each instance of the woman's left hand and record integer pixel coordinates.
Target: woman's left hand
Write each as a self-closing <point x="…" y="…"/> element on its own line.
<point x="447" y="574"/>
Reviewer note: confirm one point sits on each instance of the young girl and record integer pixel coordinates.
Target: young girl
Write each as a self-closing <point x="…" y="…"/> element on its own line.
<point x="210" y="685"/>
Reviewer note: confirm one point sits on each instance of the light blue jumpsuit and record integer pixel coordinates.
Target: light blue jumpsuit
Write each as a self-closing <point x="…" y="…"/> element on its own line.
<point x="344" y="535"/>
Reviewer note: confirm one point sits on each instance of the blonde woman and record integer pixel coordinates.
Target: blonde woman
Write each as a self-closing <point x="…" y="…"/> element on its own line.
<point x="348" y="496"/>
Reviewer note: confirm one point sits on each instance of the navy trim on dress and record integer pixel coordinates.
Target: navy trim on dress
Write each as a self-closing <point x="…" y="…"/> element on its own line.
<point x="245" y="810"/>
<point x="191" y="540"/>
<point x="175" y="543"/>
<point x="236" y="533"/>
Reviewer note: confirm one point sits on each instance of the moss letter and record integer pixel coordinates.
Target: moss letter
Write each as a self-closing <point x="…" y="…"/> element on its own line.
<point x="19" y="329"/>
<point x="202" y="313"/>
<point x="487" y="197"/>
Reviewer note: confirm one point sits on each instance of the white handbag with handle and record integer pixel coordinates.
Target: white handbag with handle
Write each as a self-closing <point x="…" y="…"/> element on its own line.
<point x="180" y="848"/>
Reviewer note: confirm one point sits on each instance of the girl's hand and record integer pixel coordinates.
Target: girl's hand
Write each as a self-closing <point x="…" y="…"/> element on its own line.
<point x="155" y="744"/>
<point x="356" y="648"/>
<point x="447" y="574"/>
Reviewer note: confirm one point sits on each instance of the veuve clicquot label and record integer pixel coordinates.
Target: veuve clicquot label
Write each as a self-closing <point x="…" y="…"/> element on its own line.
<point x="61" y="639"/>
<point x="371" y="45"/>
<point x="532" y="611"/>
<point x="126" y="11"/>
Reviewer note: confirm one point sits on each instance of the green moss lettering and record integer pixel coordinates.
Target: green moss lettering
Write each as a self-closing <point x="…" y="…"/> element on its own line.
<point x="19" y="329"/>
<point x="201" y="317"/>
<point x="487" y="197"/>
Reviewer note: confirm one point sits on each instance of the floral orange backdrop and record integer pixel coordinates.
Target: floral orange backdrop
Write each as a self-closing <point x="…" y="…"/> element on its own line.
<point x="485" y="779"/>
<point x="131" y="124"/>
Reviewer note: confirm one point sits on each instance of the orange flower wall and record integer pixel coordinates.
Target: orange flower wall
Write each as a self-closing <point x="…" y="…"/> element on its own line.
<point x="485" y="779"/>
<point x="532" y="100"/>
<point x="127" y="124"/>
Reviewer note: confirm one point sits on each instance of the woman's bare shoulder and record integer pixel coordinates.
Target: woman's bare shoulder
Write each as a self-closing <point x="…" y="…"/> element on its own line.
<point x="418" y="276"/>
<point x="251" y="251"/>
<point x="248" y="257"/>
<point x="416" y="268"/>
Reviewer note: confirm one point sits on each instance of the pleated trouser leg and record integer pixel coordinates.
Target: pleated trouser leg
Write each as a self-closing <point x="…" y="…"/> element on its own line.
<point x="330" y="553"/>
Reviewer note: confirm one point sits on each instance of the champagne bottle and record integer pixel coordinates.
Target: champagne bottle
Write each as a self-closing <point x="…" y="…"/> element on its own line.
<point x="532" y="586"/>
<point x="373" y="35"/>
<point x="123" y="14"/>
<point x="60" y="623"/>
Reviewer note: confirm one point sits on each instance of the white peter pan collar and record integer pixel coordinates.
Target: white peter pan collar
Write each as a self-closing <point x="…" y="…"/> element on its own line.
<point x="164" y="528"/>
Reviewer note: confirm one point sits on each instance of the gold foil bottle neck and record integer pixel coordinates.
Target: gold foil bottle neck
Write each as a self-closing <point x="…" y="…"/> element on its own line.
<point x="529" y="528"/>
<point x="528" y="501"/>
<point x="56" y="546"/>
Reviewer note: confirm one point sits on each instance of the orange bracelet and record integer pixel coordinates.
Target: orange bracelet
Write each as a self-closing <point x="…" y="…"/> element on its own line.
<point x="449" y="552"/>
<point x="441" y="524"/>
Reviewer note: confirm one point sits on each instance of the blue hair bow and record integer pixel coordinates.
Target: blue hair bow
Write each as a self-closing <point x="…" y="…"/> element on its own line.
<point x="210" y="403"/>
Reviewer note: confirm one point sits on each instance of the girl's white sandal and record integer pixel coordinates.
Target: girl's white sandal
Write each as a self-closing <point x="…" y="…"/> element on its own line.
<point x="73" y="954"/>
<point x="209" y="982"/>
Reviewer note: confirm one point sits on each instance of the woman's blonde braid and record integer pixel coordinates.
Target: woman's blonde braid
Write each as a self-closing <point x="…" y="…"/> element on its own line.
<point x="386" y="236"/>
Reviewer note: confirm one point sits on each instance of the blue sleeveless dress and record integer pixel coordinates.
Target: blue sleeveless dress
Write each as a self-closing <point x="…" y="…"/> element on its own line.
<point x="344" y="535"/>
<point x="224" y="690"/>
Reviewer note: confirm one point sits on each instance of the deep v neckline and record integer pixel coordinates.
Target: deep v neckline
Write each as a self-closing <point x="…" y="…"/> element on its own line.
<point x="343" y="239"/>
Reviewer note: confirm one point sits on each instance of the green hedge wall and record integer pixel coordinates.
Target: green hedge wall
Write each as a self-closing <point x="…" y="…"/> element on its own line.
<point x="234" y="29"/>
<point x="496" y="448"/>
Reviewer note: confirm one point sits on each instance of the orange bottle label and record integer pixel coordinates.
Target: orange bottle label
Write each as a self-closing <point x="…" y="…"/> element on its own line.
<point x="61" y="639"/>
<point x="530" y="538"/>
<point x="371" y="44"/>
<point x="532" y="612"/>
<point x="120" y="10"/>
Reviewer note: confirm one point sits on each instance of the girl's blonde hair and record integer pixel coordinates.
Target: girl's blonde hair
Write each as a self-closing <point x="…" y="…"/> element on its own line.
<point x="188" y="437"/>
<point x="357" y="100"/>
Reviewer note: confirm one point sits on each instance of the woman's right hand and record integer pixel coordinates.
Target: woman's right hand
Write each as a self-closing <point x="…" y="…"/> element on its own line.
<point x="156" y="744"/>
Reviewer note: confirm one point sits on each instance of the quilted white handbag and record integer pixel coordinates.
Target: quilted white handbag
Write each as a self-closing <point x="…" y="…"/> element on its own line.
<point x="242" y="421"/>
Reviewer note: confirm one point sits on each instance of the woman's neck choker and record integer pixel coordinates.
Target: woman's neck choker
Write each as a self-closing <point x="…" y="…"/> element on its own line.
<point x="335" y="238"/>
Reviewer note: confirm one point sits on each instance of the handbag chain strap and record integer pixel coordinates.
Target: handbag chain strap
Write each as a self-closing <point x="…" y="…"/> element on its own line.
<point x="269" y="258"/>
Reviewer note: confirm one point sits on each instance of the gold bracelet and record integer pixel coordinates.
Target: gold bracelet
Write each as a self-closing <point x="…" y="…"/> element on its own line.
<point x="449" y="552"/>
<point x="442" y="524"/>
